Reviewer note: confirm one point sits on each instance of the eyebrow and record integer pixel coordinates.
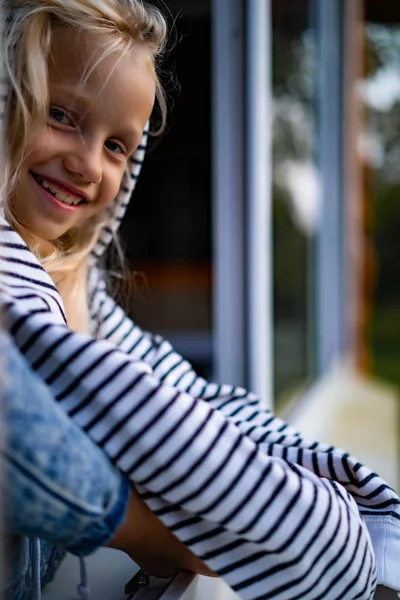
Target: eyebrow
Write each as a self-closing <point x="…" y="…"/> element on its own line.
<point x="79" y="96"/>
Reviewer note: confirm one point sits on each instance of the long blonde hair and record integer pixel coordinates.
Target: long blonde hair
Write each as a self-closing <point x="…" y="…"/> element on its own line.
<point x="30" y="28"/>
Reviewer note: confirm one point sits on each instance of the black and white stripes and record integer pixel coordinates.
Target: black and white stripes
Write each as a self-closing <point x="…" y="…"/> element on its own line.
<point x="275" y="515"/>
<point x="118" y="207"/>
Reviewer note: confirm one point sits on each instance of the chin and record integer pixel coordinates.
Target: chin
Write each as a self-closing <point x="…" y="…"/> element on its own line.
<point x="39" y="233"/>
<point x="48" y="234"/>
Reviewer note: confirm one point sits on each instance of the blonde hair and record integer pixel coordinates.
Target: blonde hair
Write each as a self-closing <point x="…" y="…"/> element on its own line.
<point x="118" y="25"/>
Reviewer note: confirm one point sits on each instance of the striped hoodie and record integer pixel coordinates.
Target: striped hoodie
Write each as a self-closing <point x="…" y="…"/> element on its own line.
<point x="276" y="516"/>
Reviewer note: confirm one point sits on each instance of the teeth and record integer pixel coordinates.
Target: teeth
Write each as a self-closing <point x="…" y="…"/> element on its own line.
<point x="63" y="196"/>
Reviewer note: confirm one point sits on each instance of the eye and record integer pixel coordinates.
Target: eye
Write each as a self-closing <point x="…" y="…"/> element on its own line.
<point x="114" y="147"/>
<point x="59" y="115"/>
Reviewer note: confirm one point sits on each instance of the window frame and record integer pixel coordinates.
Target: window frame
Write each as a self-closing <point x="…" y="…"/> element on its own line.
<point x="242" y="194"/>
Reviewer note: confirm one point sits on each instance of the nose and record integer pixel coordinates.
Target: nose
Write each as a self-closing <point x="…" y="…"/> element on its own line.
<point x="85" y="160"/>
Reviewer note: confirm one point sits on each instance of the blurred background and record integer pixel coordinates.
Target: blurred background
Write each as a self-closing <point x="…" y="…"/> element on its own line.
<point x="168" y="232"/>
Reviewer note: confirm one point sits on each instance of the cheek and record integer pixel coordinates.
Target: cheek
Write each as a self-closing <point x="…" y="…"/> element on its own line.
<point x="112" y="186"/>
<point x="42" y="148"/>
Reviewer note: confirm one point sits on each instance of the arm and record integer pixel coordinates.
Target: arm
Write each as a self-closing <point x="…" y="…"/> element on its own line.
<point x="260" y="522"/>
<point x="109" y="322"/>
<point x="377" y="502"/>
<point x="74" y="497"/>
<point x="264" y="524"/>
<point x="243" y="408"/>
<point x="151" y="545"/>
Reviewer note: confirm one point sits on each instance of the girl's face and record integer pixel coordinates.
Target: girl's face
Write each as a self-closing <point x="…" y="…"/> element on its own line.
<point x="76" y="161"/>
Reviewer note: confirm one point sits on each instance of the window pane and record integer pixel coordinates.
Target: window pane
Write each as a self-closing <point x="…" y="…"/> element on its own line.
<point x="380" y="150"/>
<point x="295" y="193"/>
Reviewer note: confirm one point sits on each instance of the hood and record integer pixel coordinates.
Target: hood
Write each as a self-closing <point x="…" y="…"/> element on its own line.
<point x="118" y="208"/>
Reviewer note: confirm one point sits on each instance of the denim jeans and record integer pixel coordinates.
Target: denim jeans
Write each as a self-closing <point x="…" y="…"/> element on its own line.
<point x="56" y="484"/>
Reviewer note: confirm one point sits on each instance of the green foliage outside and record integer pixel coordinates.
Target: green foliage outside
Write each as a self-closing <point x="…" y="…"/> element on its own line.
<point x="383" y="129"/>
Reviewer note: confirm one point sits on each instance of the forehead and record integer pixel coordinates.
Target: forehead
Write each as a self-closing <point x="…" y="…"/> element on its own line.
<point x="79" y="63"/>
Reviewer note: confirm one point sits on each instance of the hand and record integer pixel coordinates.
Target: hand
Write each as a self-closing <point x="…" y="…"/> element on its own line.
<point x="152" y="545"/>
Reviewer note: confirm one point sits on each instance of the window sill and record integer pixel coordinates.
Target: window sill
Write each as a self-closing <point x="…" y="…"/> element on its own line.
<point x="356" y="413"/>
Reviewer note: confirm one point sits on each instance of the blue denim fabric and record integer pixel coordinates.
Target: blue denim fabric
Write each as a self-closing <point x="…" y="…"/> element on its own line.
<point x="56" y="483"/>
<point x="19" y="579"/>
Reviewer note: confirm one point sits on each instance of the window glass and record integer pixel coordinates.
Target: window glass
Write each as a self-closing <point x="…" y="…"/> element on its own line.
<point x="296" y="199"/>
<point x="167" y="230"/>
<point x="380" y="151"/>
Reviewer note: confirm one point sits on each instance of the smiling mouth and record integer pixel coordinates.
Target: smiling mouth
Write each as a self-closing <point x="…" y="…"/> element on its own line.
<point x="61" y="195"/>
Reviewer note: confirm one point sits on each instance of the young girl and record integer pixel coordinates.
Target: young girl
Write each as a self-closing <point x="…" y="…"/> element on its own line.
<point x="274" y="515"/>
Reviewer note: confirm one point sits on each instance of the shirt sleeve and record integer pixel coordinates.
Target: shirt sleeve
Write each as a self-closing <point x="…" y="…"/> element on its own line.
<point x="376" y="501"/>
<point x="269" y="527"/>
<point x="241" y="407"/>
<point x="110" y="322"/>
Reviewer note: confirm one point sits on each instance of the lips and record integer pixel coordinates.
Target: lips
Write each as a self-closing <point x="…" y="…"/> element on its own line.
<point x="66" y="194"/>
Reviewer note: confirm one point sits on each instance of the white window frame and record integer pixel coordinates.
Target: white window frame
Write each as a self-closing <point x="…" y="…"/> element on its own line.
<point x="331" y="265"/>
<point x="242" y="257"/>
<point x="227" y="23"/>
<point x="242" y="204"/>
